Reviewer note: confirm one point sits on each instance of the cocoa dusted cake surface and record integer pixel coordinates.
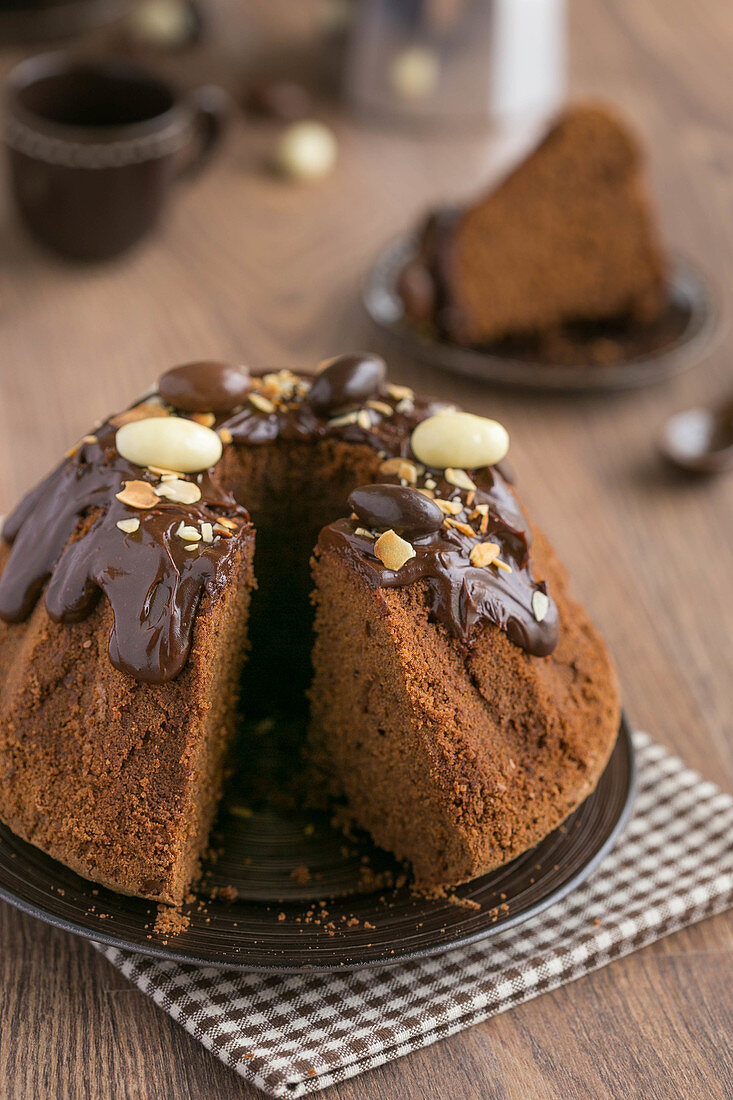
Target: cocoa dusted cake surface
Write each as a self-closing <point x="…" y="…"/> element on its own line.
<point x="567" y="239"/>
<point x="128" y="600"/>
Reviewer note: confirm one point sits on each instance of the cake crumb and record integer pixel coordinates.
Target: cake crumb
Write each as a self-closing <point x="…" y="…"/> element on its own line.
<point x="170" y="921"/>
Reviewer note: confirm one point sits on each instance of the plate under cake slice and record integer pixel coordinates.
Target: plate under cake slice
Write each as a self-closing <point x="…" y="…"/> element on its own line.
<point x="463" y="702"/>
<point x="569" y="236"/>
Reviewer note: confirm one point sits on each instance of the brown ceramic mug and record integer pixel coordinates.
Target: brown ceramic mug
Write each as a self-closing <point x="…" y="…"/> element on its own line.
<point x="95" y="147"/>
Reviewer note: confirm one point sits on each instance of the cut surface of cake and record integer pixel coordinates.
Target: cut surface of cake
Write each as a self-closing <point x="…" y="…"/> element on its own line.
<point x="568" y="236"/>
<point x="133" y="574"/>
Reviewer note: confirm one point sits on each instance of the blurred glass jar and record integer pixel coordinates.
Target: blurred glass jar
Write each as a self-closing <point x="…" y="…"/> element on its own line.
<point x="456" y="61"/>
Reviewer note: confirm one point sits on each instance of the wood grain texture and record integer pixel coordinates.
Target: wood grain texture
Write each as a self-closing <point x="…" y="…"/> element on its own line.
<point x="252" y="268"/>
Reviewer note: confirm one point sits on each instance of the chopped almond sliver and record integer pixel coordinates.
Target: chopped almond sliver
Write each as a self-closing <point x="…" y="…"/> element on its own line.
<point x="225" y="435"/>
<point x="161" y="471"/>
<point x="364" y="420"/>
<point x="180" y="492"/>
<point x="540" y="605"/>
<point x="484" y="553"/>
<point x="342" y="421"/>
<point x="138" y="494"/>
<point x="462" y="527"/>
<point x="392" y="550"/>
<point x="381" y="407"/>
<point x="223" y="521"/>
<point x="400" y="393"/>
<point x="484" y="524"/>
<point x="188" y="534"/>
<point x="404" y="469"/>
<point x="262" y="404"/>
<point x="487" y="553"/>
<point x="206" y="419"/>
<point x="449" y="507"/>
<point x="459" y="478"/>
<point x="129" y="526"/>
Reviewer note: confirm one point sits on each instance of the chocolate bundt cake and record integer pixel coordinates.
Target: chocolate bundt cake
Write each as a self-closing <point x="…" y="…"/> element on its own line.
<point x="445" y="710"/>
<point x="568" y="236"/>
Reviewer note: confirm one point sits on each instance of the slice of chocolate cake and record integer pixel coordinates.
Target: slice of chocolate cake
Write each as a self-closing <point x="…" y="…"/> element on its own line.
<point x="568" y="236"/>
<point x="463" y="703"/>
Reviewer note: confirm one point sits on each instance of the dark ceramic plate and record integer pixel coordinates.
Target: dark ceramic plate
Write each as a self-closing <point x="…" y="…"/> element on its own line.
<point x="339" y="915"/>
<point x="675" y="344"/>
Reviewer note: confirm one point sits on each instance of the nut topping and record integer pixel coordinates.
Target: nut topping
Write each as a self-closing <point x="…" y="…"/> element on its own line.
<point x="137" y="494"/>
<point x="401" y="467"/>
<point x="397" y="507"/>
<point x="484" y="553"/>
<point x="173" y="443"/>
<point x="449" y="507"/>
<point x="392" y="550"/>
<point x="347" y="382"/>
<point x="205" y="387"/>
<point x="261" y="403"/>
<point x="459" y="441"/>
<point x="180" y="492"/>
<point x="129" y="526"/>
<point x="188" y="534"/>
<point x="400" y="393"/>
<point x="460" y="479"/>
<point x="540" y="605"/>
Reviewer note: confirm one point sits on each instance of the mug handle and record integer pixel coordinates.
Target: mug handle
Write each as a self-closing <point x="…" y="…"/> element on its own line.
<point x="211" y="107"/>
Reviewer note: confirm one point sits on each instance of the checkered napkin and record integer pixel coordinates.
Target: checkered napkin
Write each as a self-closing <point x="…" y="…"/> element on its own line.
<point x="290" y="1036"/>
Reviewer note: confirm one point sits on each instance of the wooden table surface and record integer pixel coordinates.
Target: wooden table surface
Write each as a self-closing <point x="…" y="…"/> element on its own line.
<point x="268" y="272"/>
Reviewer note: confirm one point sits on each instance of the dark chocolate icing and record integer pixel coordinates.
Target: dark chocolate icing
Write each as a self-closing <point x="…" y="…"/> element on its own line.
<point x="461" y="593"/>
<point x="153" y="583"/>
<point x="385" y="423"/>
<point x="65" y="538"/>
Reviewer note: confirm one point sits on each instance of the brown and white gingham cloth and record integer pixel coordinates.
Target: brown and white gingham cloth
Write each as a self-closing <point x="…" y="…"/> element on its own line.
<point x="290" y="1036"/>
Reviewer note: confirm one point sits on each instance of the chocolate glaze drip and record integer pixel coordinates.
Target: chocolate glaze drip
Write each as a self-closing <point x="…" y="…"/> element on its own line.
<point x="153" y="583"/>
<point x="462" y="594"/>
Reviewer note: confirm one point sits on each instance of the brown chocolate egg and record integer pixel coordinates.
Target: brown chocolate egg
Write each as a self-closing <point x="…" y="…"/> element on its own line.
<point x="205" y="387"/>
<point x="398" y="508"/>
<point x="346" y="382"/>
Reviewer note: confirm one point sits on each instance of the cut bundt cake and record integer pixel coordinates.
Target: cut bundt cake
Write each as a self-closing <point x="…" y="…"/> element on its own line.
<point x="127" y="589"/>
<point x="568" y="236"/>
